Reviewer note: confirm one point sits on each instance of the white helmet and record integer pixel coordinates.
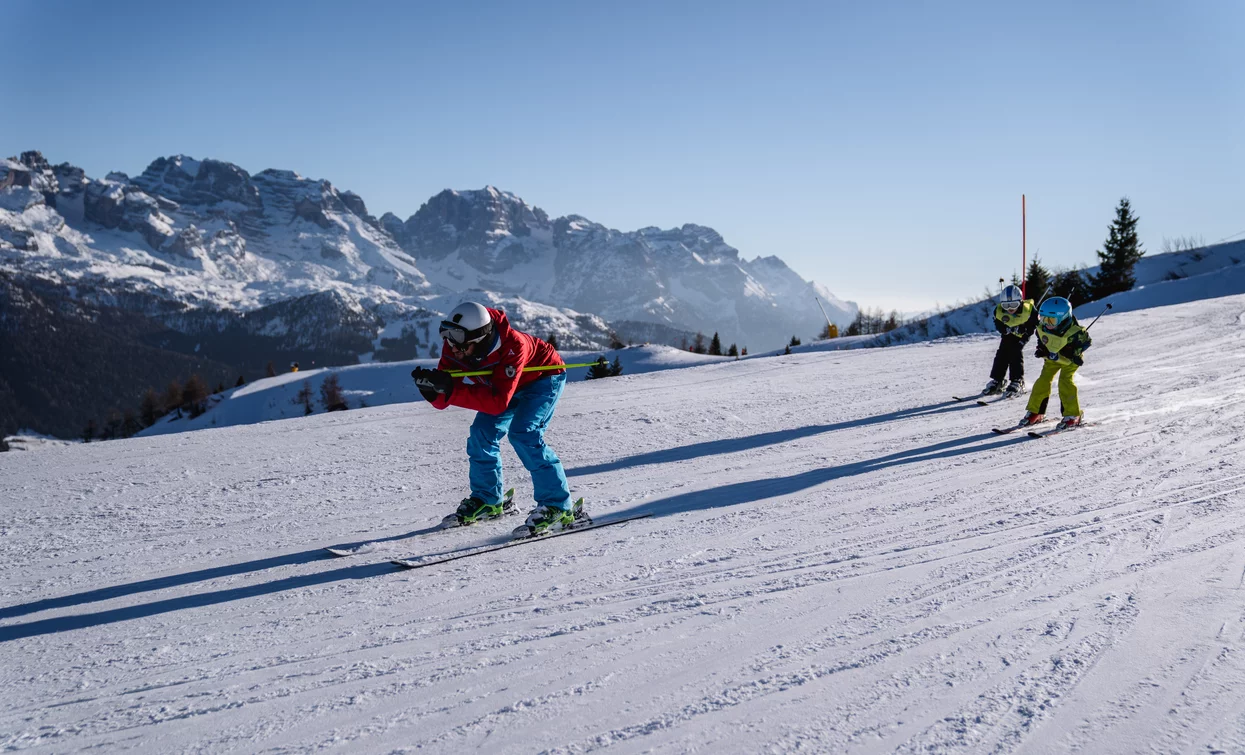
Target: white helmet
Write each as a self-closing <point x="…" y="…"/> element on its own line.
<point x="1012" y="298"/>
<point x="468" y="323"/>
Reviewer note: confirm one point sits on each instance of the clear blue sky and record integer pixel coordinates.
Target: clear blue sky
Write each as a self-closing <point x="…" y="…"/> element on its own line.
<point x="880" y="148"/>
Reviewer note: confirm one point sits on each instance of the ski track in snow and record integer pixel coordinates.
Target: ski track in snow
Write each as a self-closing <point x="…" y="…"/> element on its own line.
<point x="840" y="559"/>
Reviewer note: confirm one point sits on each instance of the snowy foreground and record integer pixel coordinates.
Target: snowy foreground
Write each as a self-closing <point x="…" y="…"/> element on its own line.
<point x="839" y="560"/>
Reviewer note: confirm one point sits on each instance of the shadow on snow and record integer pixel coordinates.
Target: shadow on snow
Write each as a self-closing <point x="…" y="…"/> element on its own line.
<point x="749" y="442"/>
<point x="725" y="495"/>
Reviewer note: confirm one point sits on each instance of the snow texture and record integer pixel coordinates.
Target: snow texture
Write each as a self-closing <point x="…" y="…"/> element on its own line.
<point x="839" y="559"/>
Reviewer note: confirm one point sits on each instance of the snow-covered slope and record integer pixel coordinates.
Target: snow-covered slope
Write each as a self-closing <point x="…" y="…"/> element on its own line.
<point x="1162" y="279"/>
<point x="370" y="385"/>
<point x="839" y="560"/>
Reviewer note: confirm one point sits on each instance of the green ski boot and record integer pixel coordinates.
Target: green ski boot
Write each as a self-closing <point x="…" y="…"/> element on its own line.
<point x="546" y="518"/>
<point x="473" y="510"/>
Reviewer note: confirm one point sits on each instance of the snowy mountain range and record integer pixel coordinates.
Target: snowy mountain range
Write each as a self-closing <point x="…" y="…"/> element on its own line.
<point x="194" y="236"/>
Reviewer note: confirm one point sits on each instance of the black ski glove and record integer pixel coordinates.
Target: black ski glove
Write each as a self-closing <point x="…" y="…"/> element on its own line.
<point x="1041" y="352"/>
<point x="1070" y="352"/>
<point x="432" y="383"/>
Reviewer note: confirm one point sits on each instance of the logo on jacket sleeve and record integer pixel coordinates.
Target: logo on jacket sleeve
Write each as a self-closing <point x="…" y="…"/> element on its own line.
<point x="511" y="371"/>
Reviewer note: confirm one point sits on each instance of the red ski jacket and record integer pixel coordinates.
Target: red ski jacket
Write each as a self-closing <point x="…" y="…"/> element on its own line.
<point x="513" y="350"/>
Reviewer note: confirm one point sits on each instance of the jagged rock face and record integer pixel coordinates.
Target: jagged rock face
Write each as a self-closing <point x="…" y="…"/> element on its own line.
<point x="481" y="225"/>
<point x="200" y="182"/>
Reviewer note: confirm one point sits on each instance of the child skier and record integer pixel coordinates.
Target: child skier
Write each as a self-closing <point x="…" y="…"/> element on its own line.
<point x="1015" y="318"/>
<point x="509" y="400"/>
<point x="1061" y="341"/>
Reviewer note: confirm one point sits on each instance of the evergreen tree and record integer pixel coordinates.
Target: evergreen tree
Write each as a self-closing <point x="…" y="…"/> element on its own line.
<point x="787" y="350"/>
<point x="89" y="432"/>
<point x="552" y="340"/>
<point x="715" y="346"/>
<point x="733" y="351"/>
<point x="1070" y="284"/>
<point x="331" y="394"/>
<point x="1120" y="254"/>
<point x="616" y="368"/>
<point x="150" y="409"/>
<point x="698" y="345"/>
<point x="129" y="424"/>
<point x="173" y="398"/>
<point x="795" y="341"/>
<point x="194" y="396"/>
<point x="220" y="387"/>
<point x="599" y="370"/>
<point x="304" y="397"/>
<point x="241" y="382"/>
<point x="1036" y="281"/>
<point x="270" y="370"/>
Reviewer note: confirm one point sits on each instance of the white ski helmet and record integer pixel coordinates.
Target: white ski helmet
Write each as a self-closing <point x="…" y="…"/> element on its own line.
<point x="1012" y="298"/>
<point x="467" y="323"/>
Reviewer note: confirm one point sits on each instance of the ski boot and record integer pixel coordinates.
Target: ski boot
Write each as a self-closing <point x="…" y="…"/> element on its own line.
<point x="546" y="518"/>
<point x="993" y="388"/>
<point x="1030" y="419"/>
<point x="1069" y="422"/>
<point x="473" y="510"/>
<point x="1014" y="388"/>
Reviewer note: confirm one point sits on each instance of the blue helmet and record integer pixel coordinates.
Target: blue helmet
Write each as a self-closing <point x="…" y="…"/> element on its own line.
<point x="1055" y="313"/>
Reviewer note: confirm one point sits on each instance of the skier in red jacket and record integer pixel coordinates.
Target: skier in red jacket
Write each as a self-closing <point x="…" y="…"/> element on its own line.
<point x="507" y="401"/>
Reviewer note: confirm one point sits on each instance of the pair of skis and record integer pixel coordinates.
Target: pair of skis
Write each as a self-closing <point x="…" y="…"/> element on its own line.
<point x="452" y="521"/>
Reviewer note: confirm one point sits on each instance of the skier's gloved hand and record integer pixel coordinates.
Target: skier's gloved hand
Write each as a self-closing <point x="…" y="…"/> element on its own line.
<point x="1053" y="356"/>
<point x="432" y="383"/>
<point x="1072" y="355"/>
<point x="1041" y="351"/>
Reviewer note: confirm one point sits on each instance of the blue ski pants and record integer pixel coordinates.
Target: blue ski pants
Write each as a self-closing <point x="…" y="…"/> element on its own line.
<point x="525" y="419"/>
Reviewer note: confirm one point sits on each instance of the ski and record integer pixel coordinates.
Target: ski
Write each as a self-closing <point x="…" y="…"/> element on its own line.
<point x="1056" y="431"/>
<point x="965" y="398"/>
<point x="408" y="563"/>
<point x="1013" y="428"/>
<point x="448" y="523"/>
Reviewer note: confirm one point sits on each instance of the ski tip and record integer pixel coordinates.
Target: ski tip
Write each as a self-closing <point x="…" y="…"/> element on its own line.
<point x="1035" y="435"/>
<point x="340" y="552"/>
<point x="982" y="403"/>
<point x="1001" y="430"/>
<point x="404" y="563"/>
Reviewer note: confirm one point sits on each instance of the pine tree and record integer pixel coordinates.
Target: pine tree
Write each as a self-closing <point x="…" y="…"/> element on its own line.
<point x="698" y="344"/>
<point x="173" y="398"/>
<point x="150" y="409"/>
<point x="552" y="340"/>
<point x="599" y="370"/>
<point x="304" y="397"/>
<point x="787" y="350"/>
<point x="89" y="432"/>
<point x="241" y="382"/>
<point x="194" y="396"/>
<point x="795" y="341"/>
<point x="331" y="394"/>
<point x="270" y="370"/>
<point x="616" y="368"/>
<point x="1071" y="285"/>
<point x="715" y="346"/>
<point x="1036" y="281"/>
<point x="1120" y="254"/>
<point x="733" y="351"/>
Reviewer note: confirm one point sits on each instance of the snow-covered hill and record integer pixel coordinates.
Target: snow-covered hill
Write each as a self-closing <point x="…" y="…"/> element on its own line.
<point x="838" y="560"/>
<point x="1169" y="278"/>
<point x="207" y="235"/>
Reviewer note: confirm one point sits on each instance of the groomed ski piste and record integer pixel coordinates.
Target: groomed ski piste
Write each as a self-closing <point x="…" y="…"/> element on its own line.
<point x="839" y="558"/>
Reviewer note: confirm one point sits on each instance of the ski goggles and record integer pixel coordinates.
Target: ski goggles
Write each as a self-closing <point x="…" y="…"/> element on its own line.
<point x="1049" y="322"/>
<point x="458" y="336"/>
<point x="1011" y="307"/>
